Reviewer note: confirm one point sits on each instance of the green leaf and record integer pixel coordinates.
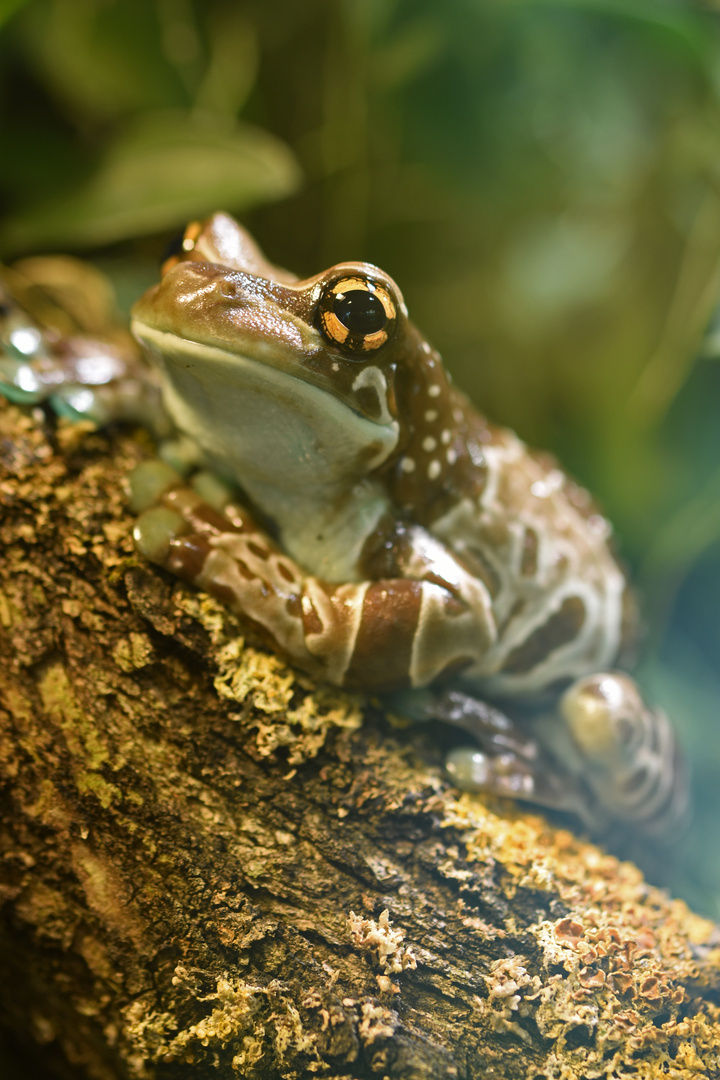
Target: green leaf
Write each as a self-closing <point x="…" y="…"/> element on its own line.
<point x="105" y="60"/>
<point x="8" y="8"/>
<point x="166" y="168"/>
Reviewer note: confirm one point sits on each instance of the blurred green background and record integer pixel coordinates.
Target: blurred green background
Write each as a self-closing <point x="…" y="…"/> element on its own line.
<point x="542" y="179"/>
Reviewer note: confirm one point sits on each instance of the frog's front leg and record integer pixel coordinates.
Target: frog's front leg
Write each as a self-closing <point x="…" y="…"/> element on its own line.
<point x="603" y="754"/>
<point x="372" y="634"/>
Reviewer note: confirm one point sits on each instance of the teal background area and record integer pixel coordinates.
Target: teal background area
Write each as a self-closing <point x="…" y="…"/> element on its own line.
<point x="542" y="179"/>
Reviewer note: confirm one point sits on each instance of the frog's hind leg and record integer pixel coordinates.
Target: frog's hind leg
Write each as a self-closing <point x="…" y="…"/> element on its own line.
<point x="603" y="755"/>
<point x="505" y="761"/>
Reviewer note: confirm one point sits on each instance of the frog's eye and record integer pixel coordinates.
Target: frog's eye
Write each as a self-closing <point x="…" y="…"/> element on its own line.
<point x="180" y="245"/>
<point x="356" y="314"/>
<point x="173" y="249"/>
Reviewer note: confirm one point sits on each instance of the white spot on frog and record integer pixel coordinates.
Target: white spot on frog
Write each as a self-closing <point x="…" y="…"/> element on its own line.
<point x="599" y="525"/>
<point x="434" y="470"/>
<point x="374" y="379"/>
<point x="552" y="483"/>
<point x="429" y="444"/>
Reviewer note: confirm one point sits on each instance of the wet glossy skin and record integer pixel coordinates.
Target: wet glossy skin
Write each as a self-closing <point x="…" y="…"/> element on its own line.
<point x="382" y="533"/>
<point x="61" y="342"/>
<point x="371" y="466"/>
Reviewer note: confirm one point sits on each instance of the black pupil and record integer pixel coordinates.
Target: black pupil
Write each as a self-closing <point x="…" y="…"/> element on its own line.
<point x="360" y="311"/>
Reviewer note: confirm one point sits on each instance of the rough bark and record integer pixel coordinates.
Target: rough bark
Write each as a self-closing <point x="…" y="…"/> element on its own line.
<point x="211" y="866"/>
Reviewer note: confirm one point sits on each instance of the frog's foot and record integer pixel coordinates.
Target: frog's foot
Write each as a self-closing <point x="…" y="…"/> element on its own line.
<point x="495" y="732"/>
<point x="514" y="777"/>
<point x="177" y="517"/>
<point x="505" y="761"/>
<point x="627" y="753"/>
<point x="200" y="534"/>
<point x="602" y="755"/>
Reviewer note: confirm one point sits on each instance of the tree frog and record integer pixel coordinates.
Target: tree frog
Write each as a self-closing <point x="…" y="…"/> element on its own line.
<point x="354" y="505"/>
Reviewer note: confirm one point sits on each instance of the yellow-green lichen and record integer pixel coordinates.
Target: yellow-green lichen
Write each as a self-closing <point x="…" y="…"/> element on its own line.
<point x="246" y="1021"/>
<point x="82" y="734"/>
<point x="616" y="967"/>
<point x="284" y="707"/>
<point x="134" y="651"/>
<point x="93" y="783"/>
<point x="61" y="706"/>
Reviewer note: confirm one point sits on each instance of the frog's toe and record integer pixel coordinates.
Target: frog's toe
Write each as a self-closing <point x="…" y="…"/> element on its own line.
<point x="155" y="530"/>
<point x="511" y="776"/>
<point x="472" y="770"/>
<point x="212" y="489"/>
<point x="181" y="453"/>
<point x="149" y="481"/>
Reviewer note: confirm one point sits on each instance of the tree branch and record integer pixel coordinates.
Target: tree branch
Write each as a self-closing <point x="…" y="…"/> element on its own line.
<point x="210" y="862"/>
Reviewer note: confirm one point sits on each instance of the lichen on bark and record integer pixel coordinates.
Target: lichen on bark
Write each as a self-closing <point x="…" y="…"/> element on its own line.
<point x="211" y="864"/>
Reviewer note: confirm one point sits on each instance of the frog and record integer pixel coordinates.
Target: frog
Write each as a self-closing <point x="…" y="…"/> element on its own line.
<point x="62" y="343"/>
<point x="329" y="484"/>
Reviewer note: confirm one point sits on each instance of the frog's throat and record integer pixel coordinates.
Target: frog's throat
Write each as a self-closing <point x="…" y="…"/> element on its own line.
<point x="264" y="423"/>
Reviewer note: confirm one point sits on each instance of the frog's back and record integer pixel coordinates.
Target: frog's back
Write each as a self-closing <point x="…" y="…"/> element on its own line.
<point x="535" y="539"/>
<point x="559" y="597"/>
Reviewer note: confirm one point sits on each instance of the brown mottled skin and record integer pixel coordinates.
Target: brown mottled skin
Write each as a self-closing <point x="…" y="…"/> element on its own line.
<point x="386" y="534"/>
<point x="221" y="292"/>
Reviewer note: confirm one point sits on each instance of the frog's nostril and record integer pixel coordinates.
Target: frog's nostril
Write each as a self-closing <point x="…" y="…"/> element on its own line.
<point x="229" y="290"/>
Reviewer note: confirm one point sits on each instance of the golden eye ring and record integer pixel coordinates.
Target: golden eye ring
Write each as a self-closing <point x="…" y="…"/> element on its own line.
<point x="180" y="246"/>
<point x="356" y="314"/>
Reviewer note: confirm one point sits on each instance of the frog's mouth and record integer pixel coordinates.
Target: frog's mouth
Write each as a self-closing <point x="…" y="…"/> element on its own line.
<point x="261" y="421"/>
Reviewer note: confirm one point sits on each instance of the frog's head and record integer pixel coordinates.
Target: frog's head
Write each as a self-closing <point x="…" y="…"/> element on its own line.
<point x="279" y="380"/>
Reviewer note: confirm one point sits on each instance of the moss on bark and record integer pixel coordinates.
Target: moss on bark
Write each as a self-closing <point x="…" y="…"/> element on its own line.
<point x="212" y="866"/>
